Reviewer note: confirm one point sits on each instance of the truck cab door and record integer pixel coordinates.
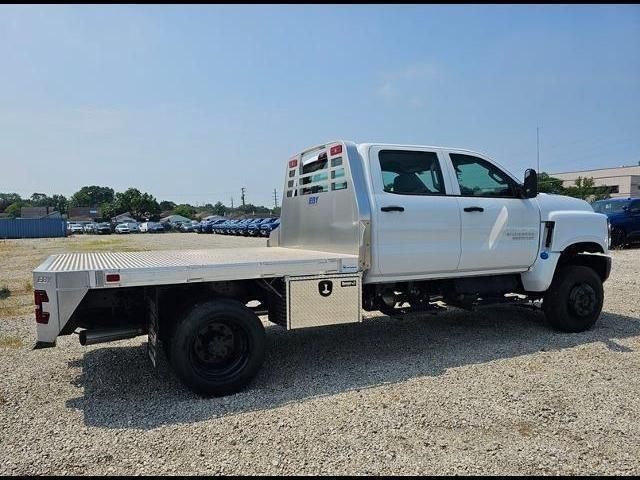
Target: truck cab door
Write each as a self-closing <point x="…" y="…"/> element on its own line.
<point x="500" y="229"/>
<point x="416" y="226"/>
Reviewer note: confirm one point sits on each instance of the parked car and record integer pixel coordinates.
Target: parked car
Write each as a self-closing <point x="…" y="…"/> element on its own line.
<point x="204" y="225"/>
<point x="144" y="227"/>
<point x="176" y="226"/>
<point x="223" y="227"/>
<point x="168" y="226"/>
<point x="186" y="227"/>
<point x="254" y="229"/>
<point x="238" y="229"/>
<point x="122" y="228"/>
<point x="155" y="227"/>
<point x="245" y="228"/>
<point x="133" y="227"/>
<point x="90" y="228"/>
<point x="267" y="228"/>
<point x="624" y="219"/>
<point x="75" y="228"/>
<point x="103" y="228"/>
<point x="211" y="225"/>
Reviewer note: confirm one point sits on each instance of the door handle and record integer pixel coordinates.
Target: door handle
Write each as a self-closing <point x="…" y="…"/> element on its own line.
<point x="473" y="209"/>
<point x="393" y="208"/>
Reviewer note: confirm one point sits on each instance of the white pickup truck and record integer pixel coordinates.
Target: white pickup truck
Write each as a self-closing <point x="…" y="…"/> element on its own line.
<point x="393" y="228"/>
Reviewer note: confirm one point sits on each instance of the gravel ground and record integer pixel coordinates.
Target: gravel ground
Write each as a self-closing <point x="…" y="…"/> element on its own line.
<point x="488" y="392"/>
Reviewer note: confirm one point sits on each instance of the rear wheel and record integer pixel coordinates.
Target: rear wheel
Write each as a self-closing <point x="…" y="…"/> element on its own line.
<point x="574" y="300"/>
<point x="218" y="347"/>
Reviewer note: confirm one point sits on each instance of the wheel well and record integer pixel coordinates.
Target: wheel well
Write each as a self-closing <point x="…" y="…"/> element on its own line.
<point x="105" y="308"/>
<point x="176" y="300"/>
<point x="582" y="247"/>
<point x="582" y="254"/>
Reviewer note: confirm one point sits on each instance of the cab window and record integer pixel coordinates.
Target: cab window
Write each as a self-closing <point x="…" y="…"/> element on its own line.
<point x="411" y="172"/>
<point x="479" y="178"/>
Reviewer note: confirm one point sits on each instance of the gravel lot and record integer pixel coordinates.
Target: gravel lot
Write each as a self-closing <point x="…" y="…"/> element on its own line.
<point x="489" y="392"/>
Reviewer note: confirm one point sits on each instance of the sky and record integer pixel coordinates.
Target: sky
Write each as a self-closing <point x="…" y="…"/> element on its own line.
<point x="191" y="103"/>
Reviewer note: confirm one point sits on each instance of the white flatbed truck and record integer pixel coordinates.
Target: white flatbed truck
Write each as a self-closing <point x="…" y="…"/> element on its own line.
<point x="393" y="228"/>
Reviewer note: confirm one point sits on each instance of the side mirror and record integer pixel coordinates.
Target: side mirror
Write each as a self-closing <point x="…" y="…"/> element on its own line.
<point x="530" y="183"/>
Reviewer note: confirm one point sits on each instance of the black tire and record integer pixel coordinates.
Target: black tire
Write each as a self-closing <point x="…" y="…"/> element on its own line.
<point x="574" y="300"/>
<point x="218" y="347"/>
<point x="618" y="238"/>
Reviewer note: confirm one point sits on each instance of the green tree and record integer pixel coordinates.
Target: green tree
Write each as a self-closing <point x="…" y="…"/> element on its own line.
<point x="166" y="205"/>
<point x="7" y="199"/>
<point x="13" y="210"/>
<point x="107" y="210"/>
<point x="140" y="205"/>
<point x="549" y="184"/>
<point x="586" y="189"/>
<point x="58" y="202"/>
<point x="185" y="210"/>
<point x="249" y="208"/>
<point x="219" y="209"/>
<point x="40" y="200"/>
<point x="92" y="195"/>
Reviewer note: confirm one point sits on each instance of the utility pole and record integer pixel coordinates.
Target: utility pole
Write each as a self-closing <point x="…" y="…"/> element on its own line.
<point x="538" y="145"/>
<point x="275" y="198"/>
<point x="242" y="195"/>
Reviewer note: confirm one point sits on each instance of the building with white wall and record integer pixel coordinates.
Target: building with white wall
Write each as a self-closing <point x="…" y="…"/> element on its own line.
<point x="622" y="181"/>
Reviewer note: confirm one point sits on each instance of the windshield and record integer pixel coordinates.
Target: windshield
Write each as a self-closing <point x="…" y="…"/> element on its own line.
<point x="609" y="206"/>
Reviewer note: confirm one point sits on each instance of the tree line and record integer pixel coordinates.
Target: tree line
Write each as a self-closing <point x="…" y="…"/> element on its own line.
<point x="141" y="205"/>
<point x="584" y="188"/>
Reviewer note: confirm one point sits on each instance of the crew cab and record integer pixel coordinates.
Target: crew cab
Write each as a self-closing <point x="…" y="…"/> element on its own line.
<point x="373" y="227"/>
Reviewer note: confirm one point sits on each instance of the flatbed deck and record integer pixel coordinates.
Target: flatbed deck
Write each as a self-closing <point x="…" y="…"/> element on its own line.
<point x="187" y="266"/>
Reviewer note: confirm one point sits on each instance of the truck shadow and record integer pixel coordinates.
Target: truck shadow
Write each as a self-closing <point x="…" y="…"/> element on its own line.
<point x="324" y="361"/>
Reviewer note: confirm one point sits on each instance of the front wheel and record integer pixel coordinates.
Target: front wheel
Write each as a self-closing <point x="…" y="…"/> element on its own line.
<point x="574" y="300"/>
<point x="218" y="347"/>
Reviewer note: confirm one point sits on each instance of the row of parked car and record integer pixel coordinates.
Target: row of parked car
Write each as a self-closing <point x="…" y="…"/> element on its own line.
<point x="249" y="227"/>
<point x="106" y="228"/>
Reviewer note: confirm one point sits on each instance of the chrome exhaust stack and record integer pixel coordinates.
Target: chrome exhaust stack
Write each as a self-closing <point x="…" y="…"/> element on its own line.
<point x="91" y="337"/>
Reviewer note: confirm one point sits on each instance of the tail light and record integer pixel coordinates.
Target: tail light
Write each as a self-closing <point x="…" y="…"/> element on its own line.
<point x="40" y="297"/>
<point x="113" y="277"/>
<point x="335" y="150"/>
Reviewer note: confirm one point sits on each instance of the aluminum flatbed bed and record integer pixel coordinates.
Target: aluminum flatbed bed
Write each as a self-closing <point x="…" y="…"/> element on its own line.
<point x="95" y="270"/>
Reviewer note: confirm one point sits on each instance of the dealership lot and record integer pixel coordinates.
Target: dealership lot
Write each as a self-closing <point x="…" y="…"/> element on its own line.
<point x="491" y="391"/>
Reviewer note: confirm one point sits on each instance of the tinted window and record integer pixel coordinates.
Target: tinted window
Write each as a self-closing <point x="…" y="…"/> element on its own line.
<point x="479" y="178"/>
<point x="411" y="173"/>
<point x="607" y="206"/>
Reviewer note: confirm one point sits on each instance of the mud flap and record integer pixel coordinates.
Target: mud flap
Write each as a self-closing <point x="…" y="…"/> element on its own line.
<point x="152" y="318"/>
